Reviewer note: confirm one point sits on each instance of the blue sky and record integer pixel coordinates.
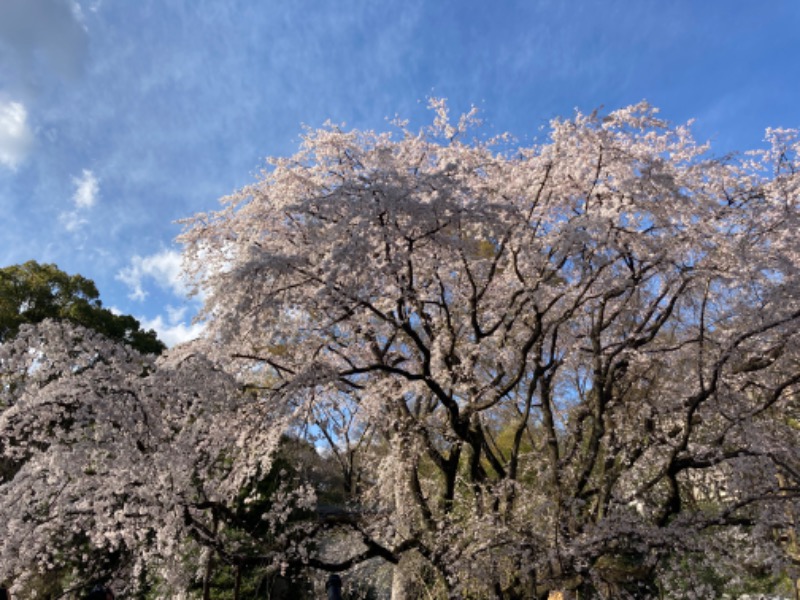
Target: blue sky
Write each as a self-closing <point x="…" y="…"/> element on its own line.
<point x="118" y="118"/>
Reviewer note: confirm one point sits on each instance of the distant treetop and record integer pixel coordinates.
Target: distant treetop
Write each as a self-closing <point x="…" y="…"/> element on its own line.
<point x="32" y="292"/>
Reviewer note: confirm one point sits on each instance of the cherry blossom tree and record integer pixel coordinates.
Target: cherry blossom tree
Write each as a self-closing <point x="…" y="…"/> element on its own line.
<point x="121" y="465"/>
<point x="569" y="366"/>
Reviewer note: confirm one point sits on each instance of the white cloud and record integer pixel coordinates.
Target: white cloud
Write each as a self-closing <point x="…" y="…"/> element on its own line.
<point x="87" y="189"/>
<point x="16" y="138"/>
<point x="173" y="330"/>
<point x="77" y="12"/>
<point x="176" y="315"/>
<point x="164" y="268"/>
<point x="72" y="221"/>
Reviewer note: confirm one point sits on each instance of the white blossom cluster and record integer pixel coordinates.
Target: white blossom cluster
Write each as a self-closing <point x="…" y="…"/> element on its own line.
<point x="110" y="453"/>
<point x="558" y="367"/>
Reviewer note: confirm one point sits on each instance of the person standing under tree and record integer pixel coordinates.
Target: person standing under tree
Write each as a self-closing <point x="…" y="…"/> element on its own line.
<point x="333" y="587"/>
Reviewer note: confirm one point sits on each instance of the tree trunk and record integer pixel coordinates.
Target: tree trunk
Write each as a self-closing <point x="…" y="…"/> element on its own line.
<point x="207" y="576"/>
<point x="237" y="586"/>
<point x="209" y="566"/>
<point x="400" y="584"/>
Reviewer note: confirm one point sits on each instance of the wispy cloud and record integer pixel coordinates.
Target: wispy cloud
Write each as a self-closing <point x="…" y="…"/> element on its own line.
<point x="87" y="189"/>
<point x="173" y="329"/>
<point x="16" y="138"/>
<point x="72" y="221"/>
<point x="164" y="268"/>
<point x="85" y="196"/>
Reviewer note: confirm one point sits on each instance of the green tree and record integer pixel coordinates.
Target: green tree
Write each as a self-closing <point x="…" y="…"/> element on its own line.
<point x="33" y="292"/>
